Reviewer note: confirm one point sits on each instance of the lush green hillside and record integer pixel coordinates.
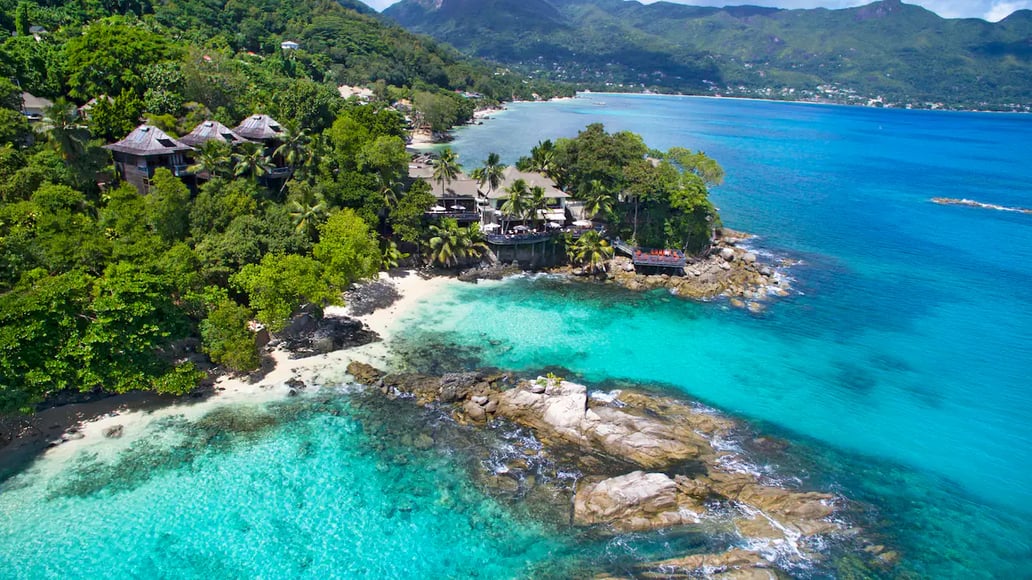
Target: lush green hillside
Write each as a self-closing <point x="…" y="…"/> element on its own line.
<point x="341" y="42"/>
<point x="105" y="289"/>
<point x="900" y="52"/>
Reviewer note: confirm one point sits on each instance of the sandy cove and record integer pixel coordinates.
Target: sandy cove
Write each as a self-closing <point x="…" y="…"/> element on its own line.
<point x="59" y="433"/>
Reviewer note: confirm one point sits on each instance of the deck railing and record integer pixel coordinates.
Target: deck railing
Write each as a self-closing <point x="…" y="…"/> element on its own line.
<point x="516" y="239"/>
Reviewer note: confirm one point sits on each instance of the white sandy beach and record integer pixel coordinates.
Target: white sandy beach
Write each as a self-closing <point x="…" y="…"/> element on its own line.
<point x="328" y="369"/>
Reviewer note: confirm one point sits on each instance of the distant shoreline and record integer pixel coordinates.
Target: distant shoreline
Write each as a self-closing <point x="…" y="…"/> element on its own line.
<point x="796" y="102"/>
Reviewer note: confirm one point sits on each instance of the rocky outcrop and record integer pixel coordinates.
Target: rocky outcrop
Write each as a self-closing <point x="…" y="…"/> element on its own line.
<point x="364" y="373"/>
<point x="633" y="502"/>
<point x="309" y="333"/>
<point x="645" y="462"/>
<point x="561" y="412"/>
<point x="734" y="564"/>
<point x="727" y="270"/>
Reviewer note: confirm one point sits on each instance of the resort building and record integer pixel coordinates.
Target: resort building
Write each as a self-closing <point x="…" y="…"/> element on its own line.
<point x="143" y="151"/>
<point x="456" y="199"/>
<point x="269" y="132"/>
<point x="34" y="107"/>
<point x="212" y="131"/>
<point x="556" y="198"/>
<point x="289" y="45"/>
<point x="260" y="128"/>
<point x="84" y="111"/>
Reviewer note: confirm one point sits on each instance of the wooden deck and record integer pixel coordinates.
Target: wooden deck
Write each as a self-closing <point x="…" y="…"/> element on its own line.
<point x="660" y="258"/>
<point x="652" y="257"/>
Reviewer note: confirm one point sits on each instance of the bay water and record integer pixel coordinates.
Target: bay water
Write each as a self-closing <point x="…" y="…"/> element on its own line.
<point x="906" y="349"/>
<point x="898" y="371"/>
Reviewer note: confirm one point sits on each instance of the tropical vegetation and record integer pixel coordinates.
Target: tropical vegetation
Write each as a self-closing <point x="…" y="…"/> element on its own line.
<point x="653" y="198"/>
<point x="102" y="288"/>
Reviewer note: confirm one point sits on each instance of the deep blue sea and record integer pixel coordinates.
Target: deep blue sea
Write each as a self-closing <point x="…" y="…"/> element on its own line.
<point x="898" y="370"/>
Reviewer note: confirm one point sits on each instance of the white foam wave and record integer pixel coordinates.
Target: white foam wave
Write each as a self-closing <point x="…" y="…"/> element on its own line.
<point x="609" y="397"/>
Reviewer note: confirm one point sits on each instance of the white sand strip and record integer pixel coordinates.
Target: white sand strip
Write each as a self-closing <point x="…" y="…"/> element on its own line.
<point x="328" y="369"/>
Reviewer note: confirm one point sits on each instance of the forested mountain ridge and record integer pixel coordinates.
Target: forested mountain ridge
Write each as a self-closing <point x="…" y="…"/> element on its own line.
<point x="902" y="53"/>
<point x="342" y="42"/>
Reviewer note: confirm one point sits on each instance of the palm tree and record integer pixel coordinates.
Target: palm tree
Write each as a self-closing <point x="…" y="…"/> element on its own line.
<point x="591" y="251"/>
<point x="65" y="134"/>
<point x="541" y="160"/>
<point x="476" y="245"/>
<point x="516" y="203"/>
<point x="212" y="158"/>
<point x="447" y="167"/>
<point x="294" y="147"/>
<point x="538" y="203"/>
<point x="491" y="173"/>
<point x="388" y="189"/>
<point x="452" y="245"/>
<point x="392" y="256"/>
<point x="318" y="149"/>
<point x="252" y="161"/>
<point x="445" y="243"/>
<point x="307" y="210"/>
<point x="599" y="200"/>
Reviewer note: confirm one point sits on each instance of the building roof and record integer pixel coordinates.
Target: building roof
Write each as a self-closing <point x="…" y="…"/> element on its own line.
<point x="148" y="140"/>
<point x="93" y="102"/>
<point x="212" y="130"/>
<point x="423" y="170"/>
<point x="259" y="128"/>
<point x="461" y="186"/>
<point x="289" y="44"/>
<point x="511" y="174"/>
<point x="33" y="103"/>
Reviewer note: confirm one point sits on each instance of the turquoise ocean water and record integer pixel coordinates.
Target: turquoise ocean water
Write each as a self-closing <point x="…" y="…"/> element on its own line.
<point x="908" y="347"/>
<point x="899" y="371"/>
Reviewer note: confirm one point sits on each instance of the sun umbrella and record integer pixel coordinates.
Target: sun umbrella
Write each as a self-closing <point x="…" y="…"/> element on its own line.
<point x="437" y="208"/>
<point x="555" y="225"/>
<point x="582" y="223"/>
<point x="490" y="227"/>
<point x="458" y="207"/>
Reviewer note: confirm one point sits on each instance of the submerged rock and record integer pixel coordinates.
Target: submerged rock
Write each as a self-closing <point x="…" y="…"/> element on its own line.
<point x="364" y="374"/>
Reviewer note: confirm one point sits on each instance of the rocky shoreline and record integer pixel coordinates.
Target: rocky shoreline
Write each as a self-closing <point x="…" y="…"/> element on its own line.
<point x="730" y="269"/>
<point x="640" y="463"/>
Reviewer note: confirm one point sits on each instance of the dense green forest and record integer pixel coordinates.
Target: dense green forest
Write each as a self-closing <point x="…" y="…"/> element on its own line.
<point x="902" y="53"/>
<point x="102" y="288"/>
<point x="651" y="198"/>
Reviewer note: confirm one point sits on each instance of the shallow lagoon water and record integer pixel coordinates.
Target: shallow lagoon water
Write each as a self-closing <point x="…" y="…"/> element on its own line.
<point x="899" y="372"/>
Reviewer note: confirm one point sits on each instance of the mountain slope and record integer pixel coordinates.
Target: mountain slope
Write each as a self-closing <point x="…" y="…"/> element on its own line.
<point x="897" y="51"/>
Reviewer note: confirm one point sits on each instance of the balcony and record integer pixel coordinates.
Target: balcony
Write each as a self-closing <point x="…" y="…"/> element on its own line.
<point x="461" y="216"/>
<point x="517" y="239"/>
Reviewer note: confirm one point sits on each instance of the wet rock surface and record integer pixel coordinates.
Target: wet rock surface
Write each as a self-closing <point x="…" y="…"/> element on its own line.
<point x="631" y="461"/>
<point x="490" y="271"/>
<point x="368" y="297"/>
<point x="310" y="334"/>
<point x="728" y="269"/>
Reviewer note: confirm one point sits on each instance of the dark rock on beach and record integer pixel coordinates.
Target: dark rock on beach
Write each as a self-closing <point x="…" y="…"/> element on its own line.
<point x="366" y="298"/>
<point x="311" y="334"/>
